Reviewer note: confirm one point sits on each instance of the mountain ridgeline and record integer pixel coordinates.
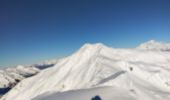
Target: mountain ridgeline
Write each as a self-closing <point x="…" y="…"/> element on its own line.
<point x="97" y="71"/>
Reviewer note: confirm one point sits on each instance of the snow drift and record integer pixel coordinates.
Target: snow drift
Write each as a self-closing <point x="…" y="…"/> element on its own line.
<point x="103" y="93"/>
<point x="141" y="73"/>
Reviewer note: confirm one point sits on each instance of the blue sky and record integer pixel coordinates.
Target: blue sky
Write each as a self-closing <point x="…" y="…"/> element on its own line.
<point x="37" y="30"/>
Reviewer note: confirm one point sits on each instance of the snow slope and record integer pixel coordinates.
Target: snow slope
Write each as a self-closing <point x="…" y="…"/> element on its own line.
<point x="141" y="74"/>
<point x="10" y="76"/>
<point x="154" y="45"/>
<point x="105" y="93"/>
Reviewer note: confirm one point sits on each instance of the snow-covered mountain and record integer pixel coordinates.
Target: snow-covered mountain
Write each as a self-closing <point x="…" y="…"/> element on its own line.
<point x="9" y="77"/>
<point x="154" y="45"/>
<point x="120" y="74"/>
<point x="13" y="75"/>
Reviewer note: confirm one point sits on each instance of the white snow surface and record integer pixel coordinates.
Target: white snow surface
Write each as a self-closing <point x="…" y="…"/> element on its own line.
<point x="105" y="93"/>
<point x="130" y="74"/>
<point x="9" y="76"/>
<point x="154" y="45"/>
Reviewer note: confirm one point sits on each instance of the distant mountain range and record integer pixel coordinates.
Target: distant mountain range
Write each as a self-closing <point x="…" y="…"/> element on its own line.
<point x="9" y="77"/>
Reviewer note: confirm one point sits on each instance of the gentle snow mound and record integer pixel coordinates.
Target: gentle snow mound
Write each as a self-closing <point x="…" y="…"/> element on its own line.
<point x="154" y="45"/>
<point x="104" y="93"/>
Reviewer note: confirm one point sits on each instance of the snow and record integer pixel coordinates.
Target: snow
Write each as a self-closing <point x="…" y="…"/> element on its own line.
<point x="105" y="93"/>
<point x="130" y="74"/>
<point x="154" y="45"/>
<point x="10" y="75"/>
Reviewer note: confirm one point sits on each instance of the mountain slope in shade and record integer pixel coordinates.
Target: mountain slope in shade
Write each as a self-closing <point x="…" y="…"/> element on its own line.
<point x="143" y="74"/>
<point x="154" y="45"/>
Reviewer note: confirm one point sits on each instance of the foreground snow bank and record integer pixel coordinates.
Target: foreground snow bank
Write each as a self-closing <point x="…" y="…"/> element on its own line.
<point x="105" y="93"/>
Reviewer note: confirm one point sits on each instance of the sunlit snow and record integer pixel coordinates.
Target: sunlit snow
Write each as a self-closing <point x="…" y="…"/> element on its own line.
<point x="141" y="73"/>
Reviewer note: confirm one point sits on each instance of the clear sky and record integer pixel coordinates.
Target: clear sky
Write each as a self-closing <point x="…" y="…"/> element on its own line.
<point x="37" y="30"/>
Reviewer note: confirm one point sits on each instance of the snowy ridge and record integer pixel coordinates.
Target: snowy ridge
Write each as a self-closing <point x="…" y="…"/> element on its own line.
<point x="154" y="45"/>
<point x="10" y="76"/>
<point x="142" y="75"/>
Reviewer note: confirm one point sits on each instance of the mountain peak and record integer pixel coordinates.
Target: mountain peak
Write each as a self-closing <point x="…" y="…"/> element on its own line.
<point x="89" y="45"/>
<point x="154" y="45"/>
<point x="152" y="41"/>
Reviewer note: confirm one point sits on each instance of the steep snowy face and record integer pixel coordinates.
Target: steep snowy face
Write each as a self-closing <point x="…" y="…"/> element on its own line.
<point x="143" y="74"/>
<point x="154" y="45"/>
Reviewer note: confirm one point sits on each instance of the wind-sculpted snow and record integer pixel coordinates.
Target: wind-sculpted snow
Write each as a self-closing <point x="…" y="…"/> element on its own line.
<point x="131" y="74"/>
